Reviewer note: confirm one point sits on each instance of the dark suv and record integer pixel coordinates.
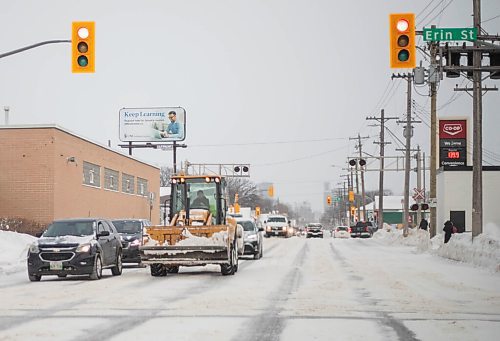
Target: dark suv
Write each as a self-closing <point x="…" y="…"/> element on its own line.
<point x="83" y="246"/>
<point x="362" y="229"/>
<point x="131" y="232"/>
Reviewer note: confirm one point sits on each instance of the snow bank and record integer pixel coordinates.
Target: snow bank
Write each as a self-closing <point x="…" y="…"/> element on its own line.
<point x="14" y="248"/>
<point x="483" y="251"/>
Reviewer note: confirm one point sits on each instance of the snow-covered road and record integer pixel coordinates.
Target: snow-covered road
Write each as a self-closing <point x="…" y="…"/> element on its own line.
<point x="303" y="289"/>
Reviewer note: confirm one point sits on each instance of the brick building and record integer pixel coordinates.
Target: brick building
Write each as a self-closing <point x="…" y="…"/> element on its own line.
<point x="47" y="173"/>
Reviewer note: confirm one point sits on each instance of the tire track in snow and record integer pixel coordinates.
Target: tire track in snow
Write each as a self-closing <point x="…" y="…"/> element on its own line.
<point x="269" y="325"/>
<point x="364" y="295"/>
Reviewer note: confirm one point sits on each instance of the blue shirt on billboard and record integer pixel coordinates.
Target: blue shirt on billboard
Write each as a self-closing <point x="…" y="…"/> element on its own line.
<point x="174" y="129"/>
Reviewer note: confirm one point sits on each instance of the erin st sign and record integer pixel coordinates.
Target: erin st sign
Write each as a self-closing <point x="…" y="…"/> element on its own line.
<point x="449" y="34"/>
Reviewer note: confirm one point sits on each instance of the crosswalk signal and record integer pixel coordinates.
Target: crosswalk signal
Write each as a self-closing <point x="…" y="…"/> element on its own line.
<point x="328" y="200"/>
<point x="402" y="40"/>
<point x="83" y="47"/>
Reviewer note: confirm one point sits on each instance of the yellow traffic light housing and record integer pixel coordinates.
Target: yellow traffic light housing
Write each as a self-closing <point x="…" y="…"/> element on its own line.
<point x="270" y="191"/>
<point x="403" y="49"/>
<point x="257" y="211"/>
<point x="328" y="200"/>
<point x="83" y="47"/>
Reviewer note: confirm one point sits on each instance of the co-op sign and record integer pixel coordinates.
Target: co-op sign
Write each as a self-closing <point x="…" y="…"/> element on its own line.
<point x="452" y="142"/>
<point x="453" y="129"/>
<point x="165" y="124"/>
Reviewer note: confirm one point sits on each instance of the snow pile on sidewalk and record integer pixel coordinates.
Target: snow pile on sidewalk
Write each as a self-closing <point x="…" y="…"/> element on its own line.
<point x="14" y="248"/>
<point x="483" y="251"/>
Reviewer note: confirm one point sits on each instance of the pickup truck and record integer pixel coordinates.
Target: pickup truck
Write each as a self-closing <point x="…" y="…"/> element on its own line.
<point x="363" y="229"/>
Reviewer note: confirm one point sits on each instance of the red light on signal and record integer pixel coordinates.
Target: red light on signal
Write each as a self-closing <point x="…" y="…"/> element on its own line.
<point x="402" y="25"/>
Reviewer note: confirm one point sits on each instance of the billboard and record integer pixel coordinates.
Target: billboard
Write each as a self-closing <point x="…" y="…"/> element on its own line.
<point x="165" y="124"/>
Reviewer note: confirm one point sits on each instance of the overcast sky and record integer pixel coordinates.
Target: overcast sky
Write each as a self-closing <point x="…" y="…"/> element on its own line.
<point x="279" y="84"/>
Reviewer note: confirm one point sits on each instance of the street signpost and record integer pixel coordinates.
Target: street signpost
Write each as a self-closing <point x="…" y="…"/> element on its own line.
<point x="450" y="34"/>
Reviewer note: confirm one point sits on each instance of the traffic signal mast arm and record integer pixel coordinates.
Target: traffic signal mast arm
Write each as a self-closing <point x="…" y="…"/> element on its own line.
<point x="10" y="53"/>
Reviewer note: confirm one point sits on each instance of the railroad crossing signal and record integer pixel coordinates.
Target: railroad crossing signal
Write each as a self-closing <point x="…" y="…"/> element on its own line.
<point x="83" y="47"/>
<point x="419" y="194"/>
<point x="403" y="49"/>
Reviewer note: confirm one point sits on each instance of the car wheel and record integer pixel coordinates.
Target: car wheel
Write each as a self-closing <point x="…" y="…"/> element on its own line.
<point x="117" y="269"/>
<point x="97" y="270"/>
<point x="34" y="278"/>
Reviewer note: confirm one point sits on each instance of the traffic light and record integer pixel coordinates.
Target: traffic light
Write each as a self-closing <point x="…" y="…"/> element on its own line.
<point x="351" y="196"/>
<point x="328" y="200"/>
<point x="257" y="211"/>
<point x="362" y="162"/>
<point x="353" y="210"/>
<point x="83" y="47"/>
<point x="402" y="40"/>
<point x="270" y="191"/>
<point x="352" y="163"/>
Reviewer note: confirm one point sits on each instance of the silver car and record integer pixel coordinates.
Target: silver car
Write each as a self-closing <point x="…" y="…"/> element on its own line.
<point x="252" y="238"/>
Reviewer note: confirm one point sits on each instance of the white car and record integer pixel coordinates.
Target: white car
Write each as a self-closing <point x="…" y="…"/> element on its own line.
<point x="342" y="232"/>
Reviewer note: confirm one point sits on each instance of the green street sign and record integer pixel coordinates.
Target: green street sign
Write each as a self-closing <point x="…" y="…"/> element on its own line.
<point x="337" y="199"/>
<point x="449" y="34"/>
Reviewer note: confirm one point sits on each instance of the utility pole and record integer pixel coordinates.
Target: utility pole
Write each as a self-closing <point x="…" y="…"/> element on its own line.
<point x="6" y="109"/>
<point x="477" y="118"/>
<point x="359" y="146"/>
<point x="408" y="134"/>
<point x="382" y="143"/>
<point x="433" y="166"/>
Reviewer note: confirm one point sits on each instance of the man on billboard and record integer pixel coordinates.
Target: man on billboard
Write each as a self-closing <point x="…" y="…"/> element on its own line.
<point x="174" y="129"/>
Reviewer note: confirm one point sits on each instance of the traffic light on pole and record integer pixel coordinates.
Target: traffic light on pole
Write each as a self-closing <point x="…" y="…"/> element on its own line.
<point x="270" y="191"/>
<point x="403" y="49"/>
<point x="83" y="47"/>
<point x="328" y="200"/>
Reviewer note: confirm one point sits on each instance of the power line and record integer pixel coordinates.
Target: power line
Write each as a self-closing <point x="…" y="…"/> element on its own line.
<point x="302" y="158"/>
<point x="267" y="143"/>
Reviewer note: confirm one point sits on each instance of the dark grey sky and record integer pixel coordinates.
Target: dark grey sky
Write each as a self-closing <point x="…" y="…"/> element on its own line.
<point x="281" y="85"/>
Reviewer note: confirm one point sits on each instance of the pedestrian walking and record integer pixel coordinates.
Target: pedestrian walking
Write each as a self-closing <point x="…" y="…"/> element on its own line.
<point x="448" y="230"/>
<point x="424" y="224"/>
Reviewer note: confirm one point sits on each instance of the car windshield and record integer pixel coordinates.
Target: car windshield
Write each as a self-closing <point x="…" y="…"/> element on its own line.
<point x="69" y="228"/>
<point x="315" y="225"/>
<point x="342" y="228"/>
<point x="247" y="225"/>
<point x="128" y="226"/>
<point x="276" y="220"/>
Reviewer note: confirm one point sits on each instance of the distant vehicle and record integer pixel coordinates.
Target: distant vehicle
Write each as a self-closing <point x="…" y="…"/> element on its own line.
<point x="252" y="238"/>
<point x="83" y="246"/>
<point x="277" y="225"/>
<point x="341" y="232"/>
<point x="314" y="230"/>
<point x="132" y="233"/>
<point x="363" y="229"/>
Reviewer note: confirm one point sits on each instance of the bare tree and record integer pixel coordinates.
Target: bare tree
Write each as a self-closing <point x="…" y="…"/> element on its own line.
<point x="165" y="173"/>
<point x="247" y="192"/>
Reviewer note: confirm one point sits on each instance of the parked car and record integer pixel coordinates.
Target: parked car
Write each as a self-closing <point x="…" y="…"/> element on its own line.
<point x="132" y="233"/>
<point x="252" y="238"/>
<point x="363" y="229"/>
<point x="83" y="246"/>
<point x="341" y="232"/>
<point x="314" y="230"/>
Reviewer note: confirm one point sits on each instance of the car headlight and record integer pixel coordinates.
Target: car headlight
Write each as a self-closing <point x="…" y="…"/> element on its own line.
<point x="284" y="228"/>
<point x="83" y="248"/>
<point x="34" y="248"/>
<point x="268" y="228"/>
<point x="251" y="236"/>
<point x="135" y="242"/>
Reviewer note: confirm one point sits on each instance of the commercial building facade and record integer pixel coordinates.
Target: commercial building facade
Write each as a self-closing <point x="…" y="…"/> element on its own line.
<point x="47" y="173"/>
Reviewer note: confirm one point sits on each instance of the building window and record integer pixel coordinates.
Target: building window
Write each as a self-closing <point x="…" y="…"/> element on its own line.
<point x="91" y="174"/>
<point x="142" y="186"/>
<point x="128" y="183"/>
<point x="111" y="179"/>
